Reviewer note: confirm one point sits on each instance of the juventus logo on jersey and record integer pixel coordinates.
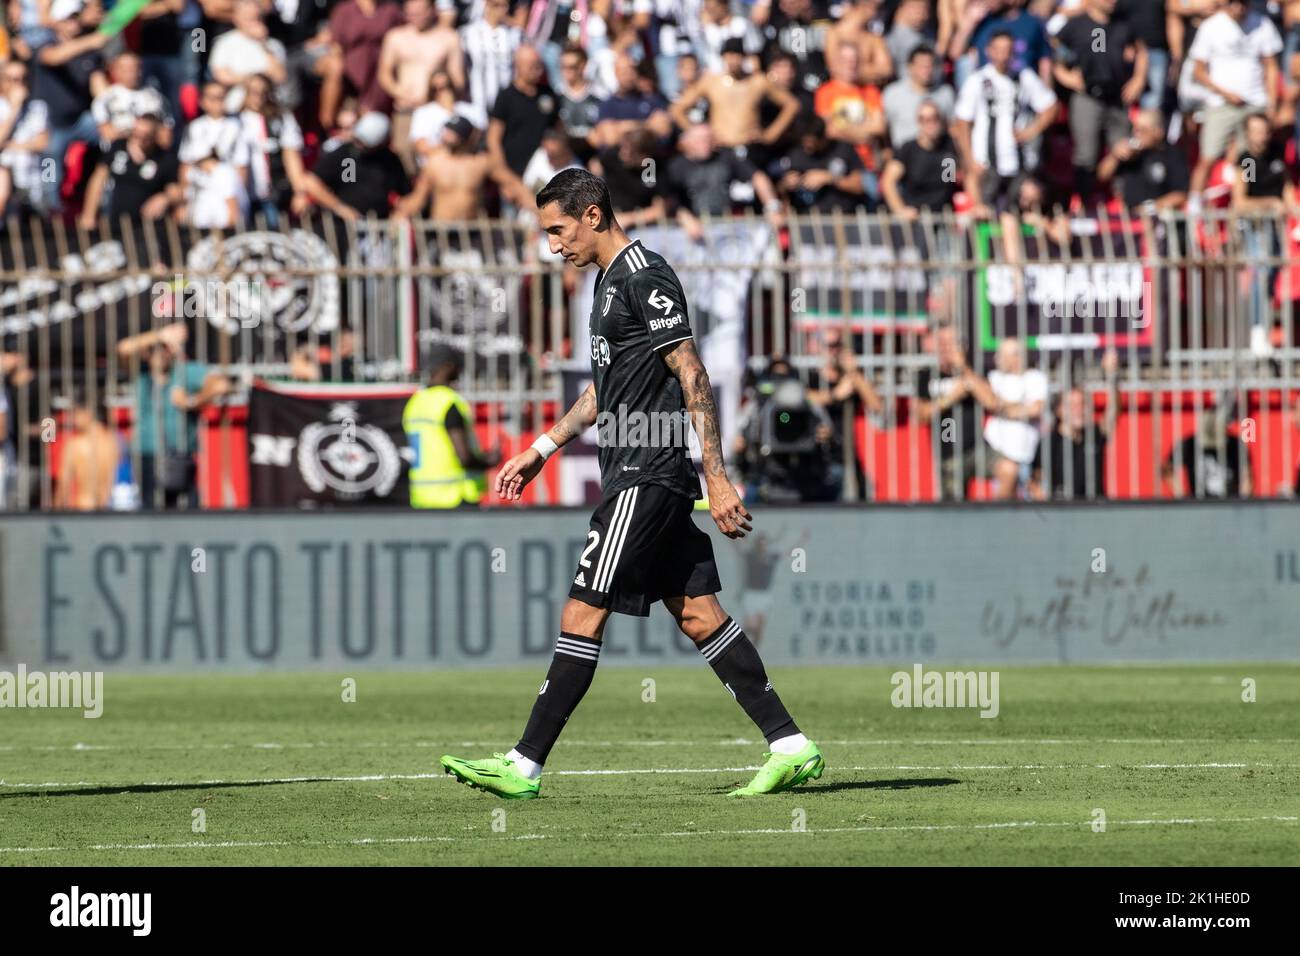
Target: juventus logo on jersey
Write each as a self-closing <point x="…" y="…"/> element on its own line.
<point x="609" y="297"/>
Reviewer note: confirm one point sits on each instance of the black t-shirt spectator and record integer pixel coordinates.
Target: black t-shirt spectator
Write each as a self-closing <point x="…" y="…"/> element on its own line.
<point x="705" y="187"/>
<point x="1104" y="71"/>
<point x="805" y="40"/>
<point x="65" y="88"/>
<point x="1151" y="174"/>
<point x="929" y="175"/>
<point x="1211" y="475"/>
<point x="628" y="191"/>
<point x="768" y="111"/>
<point x="376" y="173"/>
<point x="308" y="17"/>
<point x="160" y="36"/>
<point x="134" y="183"/>
<point x="578" y="117"/>
<point x="525" y="118"/>
<point x="932" y="386"/>
<point x="836" y="409"/>
<point x="1058" y="447"/>
<point x="1146" y="20"/>
<point x="1266" y="173"/>
<point x="840" y="159"/>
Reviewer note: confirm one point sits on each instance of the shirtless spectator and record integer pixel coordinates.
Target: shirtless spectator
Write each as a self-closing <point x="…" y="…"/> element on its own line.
<point x="735" y="100"/>
<point x="629" y="110"/>
<point x="857" y="27"/>
<point x="88" y="470"/>
<point x="408" y="60"/>
<point x="453" y="182"/>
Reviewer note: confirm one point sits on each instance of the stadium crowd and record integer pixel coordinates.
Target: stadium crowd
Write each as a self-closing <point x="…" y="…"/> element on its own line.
<point x="216" y="112"/>
<point x="226" y="114"/>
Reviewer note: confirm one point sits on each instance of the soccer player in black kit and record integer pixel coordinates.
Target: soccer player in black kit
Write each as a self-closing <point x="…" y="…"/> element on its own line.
<point x="643" y="545"/>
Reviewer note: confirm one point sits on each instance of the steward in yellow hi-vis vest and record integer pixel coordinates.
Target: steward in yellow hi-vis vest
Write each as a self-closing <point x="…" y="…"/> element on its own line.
<point x="447" y="470"/>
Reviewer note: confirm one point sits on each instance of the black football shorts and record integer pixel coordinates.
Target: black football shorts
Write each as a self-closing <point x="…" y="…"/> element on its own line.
<point x="644" y="546"/>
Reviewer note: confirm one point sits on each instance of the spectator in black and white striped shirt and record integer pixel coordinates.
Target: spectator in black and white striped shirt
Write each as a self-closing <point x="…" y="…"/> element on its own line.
<point x="117" y="108"/>
<point x="489" y="45"/>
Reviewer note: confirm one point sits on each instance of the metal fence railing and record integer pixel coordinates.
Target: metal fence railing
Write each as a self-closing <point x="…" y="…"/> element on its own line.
<point x="1043" y="357"/>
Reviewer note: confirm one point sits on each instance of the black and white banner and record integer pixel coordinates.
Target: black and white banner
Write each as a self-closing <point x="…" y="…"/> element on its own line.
<point x="327" y="444"/>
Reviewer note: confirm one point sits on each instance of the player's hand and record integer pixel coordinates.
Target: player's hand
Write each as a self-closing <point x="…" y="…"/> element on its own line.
<point x="728" y="511"/>
<point x="517" y="472"/>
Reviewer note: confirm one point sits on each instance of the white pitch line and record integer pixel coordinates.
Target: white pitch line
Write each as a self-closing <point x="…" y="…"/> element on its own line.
<point x="739" y="742"/>
<point x="1017" y="824"/>
<point x="245" y="844"/>
<point x="388" y="841"/>
<point x="377" y="777"/>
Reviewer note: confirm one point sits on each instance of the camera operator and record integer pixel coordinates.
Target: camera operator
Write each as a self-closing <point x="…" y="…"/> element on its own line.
<point x="785" y="444"/>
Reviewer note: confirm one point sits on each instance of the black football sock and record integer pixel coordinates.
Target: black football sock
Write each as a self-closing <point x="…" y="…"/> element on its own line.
<point x="736" y="662"/>
<point x="571" y="673"/>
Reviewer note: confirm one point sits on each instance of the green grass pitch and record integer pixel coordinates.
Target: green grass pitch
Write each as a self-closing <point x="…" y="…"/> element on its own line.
<point x="287" y="773"/>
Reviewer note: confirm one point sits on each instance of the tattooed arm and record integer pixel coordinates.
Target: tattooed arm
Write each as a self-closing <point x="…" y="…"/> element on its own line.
<point x="526" y="465"/>
<point x="577" y="419"/>
<point x="725" y="505"/>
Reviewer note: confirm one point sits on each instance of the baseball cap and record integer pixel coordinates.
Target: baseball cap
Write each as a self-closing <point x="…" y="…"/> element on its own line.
<point x="460" y="125"/>
<point x="65" y="9"/>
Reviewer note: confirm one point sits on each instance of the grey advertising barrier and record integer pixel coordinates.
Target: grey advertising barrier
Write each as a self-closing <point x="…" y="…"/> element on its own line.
<point x="832" y="585"/>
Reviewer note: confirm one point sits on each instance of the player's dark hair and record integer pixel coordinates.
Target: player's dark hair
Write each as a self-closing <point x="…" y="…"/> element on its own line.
<point x="573" y="49"/>
<point x="1001" y="33"/>
<point x="575" y="190"/>
<point x="923" y="49"/>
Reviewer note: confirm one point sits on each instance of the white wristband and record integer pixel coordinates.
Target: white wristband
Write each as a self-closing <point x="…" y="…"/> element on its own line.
<point x="544" y="446"/>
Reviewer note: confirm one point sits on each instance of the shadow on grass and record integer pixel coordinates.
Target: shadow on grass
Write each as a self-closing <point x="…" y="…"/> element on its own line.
<point x="154" y="788"/>
<point x="905" y="783"/>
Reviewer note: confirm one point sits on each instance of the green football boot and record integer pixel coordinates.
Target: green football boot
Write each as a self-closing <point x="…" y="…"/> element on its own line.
<point x="497" y="774"/>
<point x="784" y="771"/>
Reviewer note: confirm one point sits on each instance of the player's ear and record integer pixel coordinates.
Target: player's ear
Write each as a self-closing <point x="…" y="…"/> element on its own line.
<point x="595" y="220"/>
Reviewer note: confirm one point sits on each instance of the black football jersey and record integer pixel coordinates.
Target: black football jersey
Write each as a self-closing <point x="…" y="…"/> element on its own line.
<point x="643" y="431"/>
